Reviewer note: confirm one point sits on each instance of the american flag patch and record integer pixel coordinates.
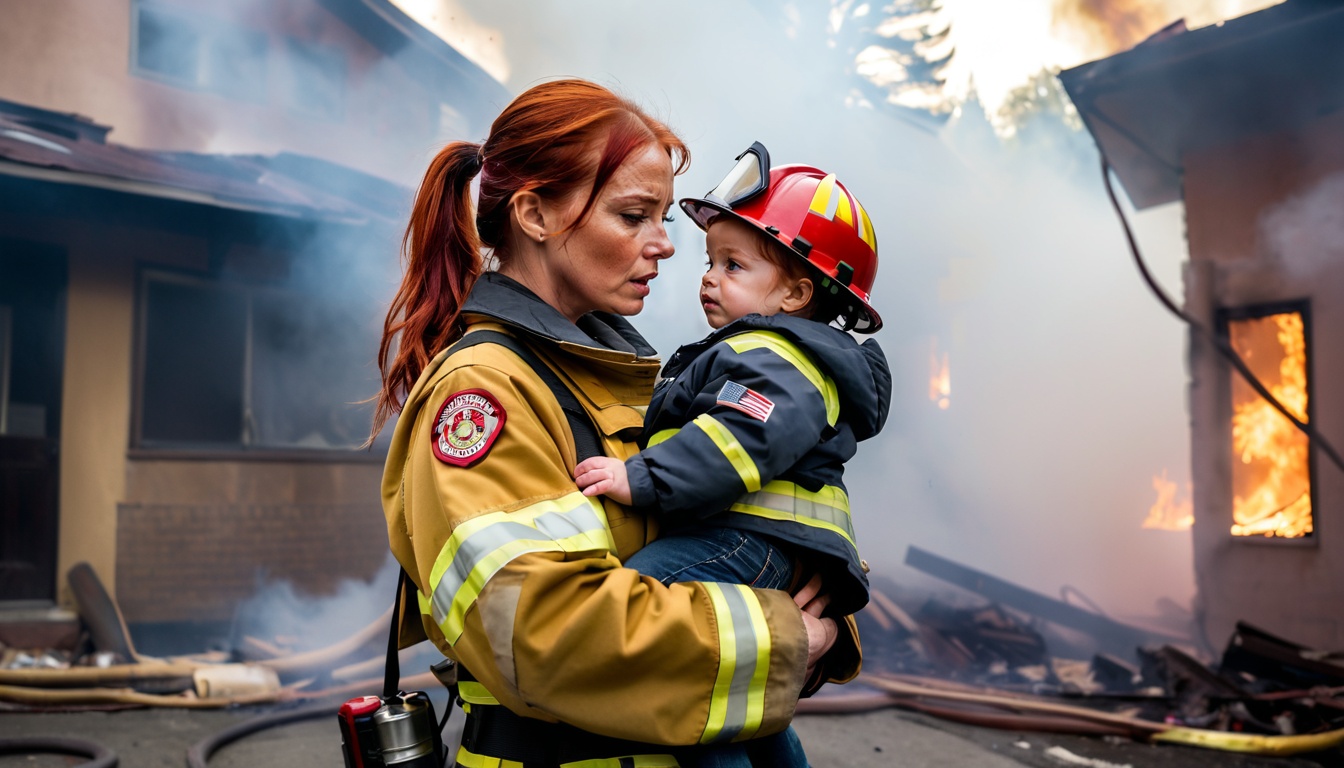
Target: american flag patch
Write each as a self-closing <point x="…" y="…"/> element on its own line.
<point x="748" y="401"/>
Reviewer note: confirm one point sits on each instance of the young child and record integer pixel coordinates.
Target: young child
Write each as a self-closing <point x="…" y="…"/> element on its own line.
<point x="748" y="432"/>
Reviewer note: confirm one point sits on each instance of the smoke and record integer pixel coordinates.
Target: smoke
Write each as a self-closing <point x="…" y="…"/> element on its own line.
<point x="303" y="622"/>
<point x="1306" y="232"/>
<point x="1067" y="393"/>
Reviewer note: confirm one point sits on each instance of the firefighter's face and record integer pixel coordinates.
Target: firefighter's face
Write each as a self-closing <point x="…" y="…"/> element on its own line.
<point x="739" y="280"/>
<point x="607" y="263"/>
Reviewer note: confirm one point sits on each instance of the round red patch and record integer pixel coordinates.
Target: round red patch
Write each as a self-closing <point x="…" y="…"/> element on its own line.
<point x="468" y="423"/>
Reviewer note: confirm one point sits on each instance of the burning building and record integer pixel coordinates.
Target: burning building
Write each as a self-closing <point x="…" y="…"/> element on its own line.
<point x="189" y="315"/>
<point x="1244" y="123"/>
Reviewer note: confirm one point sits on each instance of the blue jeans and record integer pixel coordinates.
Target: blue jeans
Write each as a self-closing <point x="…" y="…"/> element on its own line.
<point x="737" y="557"/>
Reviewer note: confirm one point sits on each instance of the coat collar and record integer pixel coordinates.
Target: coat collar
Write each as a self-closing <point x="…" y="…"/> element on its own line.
<point x="497" y="297"/>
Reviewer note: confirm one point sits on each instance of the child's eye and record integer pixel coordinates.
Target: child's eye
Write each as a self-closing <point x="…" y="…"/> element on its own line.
<point x="732" y="265"/>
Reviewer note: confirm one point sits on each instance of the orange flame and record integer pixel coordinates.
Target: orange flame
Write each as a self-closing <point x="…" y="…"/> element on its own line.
<point x="1271" y="480"/>
<point x="940" y="380"/>
<point x="1168" y="514"/>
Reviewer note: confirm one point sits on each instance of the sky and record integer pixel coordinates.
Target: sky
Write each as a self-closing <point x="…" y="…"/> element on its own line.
<point x="998" y="251"/>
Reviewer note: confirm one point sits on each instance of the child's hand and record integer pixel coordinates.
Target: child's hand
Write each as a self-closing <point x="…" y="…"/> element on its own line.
<point x="604" y="475"/>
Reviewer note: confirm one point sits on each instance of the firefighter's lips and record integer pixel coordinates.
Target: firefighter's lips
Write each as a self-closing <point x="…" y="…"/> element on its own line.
<point x="642" y="284"/>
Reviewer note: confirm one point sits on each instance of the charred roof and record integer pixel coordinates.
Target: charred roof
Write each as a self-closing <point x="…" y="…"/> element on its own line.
<point x="70" y="149"/>
<point x="1179" y="91"/>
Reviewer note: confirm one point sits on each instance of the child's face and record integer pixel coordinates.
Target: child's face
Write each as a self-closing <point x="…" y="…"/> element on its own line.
<point x="739" y="280"/>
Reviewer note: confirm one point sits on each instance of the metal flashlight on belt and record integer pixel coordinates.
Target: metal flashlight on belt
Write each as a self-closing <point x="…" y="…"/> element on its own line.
<point x="394" y="732"/>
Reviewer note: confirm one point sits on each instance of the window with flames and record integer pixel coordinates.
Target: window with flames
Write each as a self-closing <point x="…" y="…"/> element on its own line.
<point x="1271" y="457"/>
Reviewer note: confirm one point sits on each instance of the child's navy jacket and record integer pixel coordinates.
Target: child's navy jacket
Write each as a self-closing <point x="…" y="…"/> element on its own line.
<point x="752" y="426"/>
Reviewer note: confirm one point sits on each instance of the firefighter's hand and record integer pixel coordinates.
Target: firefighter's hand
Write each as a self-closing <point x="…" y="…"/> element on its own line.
<point x="603" y="475"/>
<point x="821" y="632"/>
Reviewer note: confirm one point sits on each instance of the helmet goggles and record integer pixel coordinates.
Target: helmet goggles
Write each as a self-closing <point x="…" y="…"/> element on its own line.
<point x="749" y="177"/>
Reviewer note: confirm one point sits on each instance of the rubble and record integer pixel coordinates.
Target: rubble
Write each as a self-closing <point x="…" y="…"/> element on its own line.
<point x="989" y="663"/>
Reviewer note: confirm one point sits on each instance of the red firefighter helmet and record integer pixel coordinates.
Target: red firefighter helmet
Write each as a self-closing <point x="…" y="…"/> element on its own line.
<point x="812" y="215"/>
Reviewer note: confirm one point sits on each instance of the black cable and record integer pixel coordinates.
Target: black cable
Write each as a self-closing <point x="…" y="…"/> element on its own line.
<point x="200" y="752"/>
<point x="99" y="755"/>
<point x="1219" y="343"/>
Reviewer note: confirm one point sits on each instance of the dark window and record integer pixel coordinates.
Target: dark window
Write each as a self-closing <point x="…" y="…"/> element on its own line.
<point x="317" y="79"/>
<point x="169" y="45"/>
<point x="228" y="366"/>
<point x="195" y="345"/>
<point x="198" y="51"/>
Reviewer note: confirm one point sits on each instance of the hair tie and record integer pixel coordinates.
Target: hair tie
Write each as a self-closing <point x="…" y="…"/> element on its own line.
<point x="475" y="162"/>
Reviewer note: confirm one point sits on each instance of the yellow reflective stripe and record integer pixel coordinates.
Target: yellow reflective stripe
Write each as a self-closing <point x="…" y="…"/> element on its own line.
<point x="628" y="761"/>
<point x="662" y="435"/>
<point x="737" y="705"/>
<point x="786" y="349"/>
<point x="473" y="692"/>
<point x="822" y="199"/>
<point x="842" y="211"/>
<point x="827" y="508"/>
<point x="866" y="227"/>
<point x="732" y="450"/>
<point x="473" y="760"/>
<point x="480" y="547"/>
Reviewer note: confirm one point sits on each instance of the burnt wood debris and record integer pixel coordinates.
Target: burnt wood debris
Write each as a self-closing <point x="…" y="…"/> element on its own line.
<point x="992" y="654"/>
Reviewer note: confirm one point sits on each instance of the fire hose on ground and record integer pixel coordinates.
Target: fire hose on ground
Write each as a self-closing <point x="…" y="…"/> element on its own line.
<point x="154" y="679"/>
<point x="1031" y="714"/>
<point x="99" y="756"/>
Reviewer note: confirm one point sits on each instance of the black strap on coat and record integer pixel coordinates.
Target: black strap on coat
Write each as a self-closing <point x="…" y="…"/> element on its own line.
<point x="587" y="444"/>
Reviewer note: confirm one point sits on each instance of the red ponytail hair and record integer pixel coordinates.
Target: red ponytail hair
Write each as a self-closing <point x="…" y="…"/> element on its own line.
<point x="542" y="142"/>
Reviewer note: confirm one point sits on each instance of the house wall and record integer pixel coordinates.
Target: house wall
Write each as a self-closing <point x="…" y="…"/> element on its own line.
<point x="1291" y="588"/>
<point x="196" y="538"/>
<point x="181" y="537"/>
<point x="75" y="56"/>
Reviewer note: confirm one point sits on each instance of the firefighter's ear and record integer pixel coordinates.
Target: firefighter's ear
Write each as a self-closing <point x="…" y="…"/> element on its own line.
<point x="529" y="213"/>
<point x="797" y="296"/>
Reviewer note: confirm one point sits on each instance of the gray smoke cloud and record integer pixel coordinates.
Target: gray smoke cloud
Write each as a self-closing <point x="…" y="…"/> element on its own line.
<point x="1067" y="379"/>
<point x="1306" y="232"/>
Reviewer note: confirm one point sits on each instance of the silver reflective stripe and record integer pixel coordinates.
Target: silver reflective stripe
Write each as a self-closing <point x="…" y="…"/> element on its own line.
<point x="480" y="547"/>
<point x="735" y="718"/>
<point x="737" y="705"/>
<point x="780" y="500"/>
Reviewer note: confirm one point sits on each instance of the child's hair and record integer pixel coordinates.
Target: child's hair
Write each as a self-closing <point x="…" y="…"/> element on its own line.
<point x="793" y="267"/>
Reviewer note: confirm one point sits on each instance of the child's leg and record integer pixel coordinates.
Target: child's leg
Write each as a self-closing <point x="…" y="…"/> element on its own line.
<point x="736" y="557"/>
<point x="715" y="554"/>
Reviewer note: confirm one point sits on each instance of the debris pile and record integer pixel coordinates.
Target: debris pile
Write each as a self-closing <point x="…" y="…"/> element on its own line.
<point x="105" y="671"/>
<point x="991" y="663"/>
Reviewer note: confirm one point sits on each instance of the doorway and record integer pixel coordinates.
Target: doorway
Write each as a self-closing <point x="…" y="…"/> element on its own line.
<point x="33" y="279"/>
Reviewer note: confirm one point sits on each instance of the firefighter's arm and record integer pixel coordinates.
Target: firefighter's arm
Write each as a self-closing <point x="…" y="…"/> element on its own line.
<point x="769" y="404"/>
<point x="520" y="584"/>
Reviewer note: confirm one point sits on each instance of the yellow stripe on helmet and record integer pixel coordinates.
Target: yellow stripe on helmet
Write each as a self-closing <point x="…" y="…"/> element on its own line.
<point x="842" y="210"/>
<point x="822" y="203"/>
<point x="866" y="231"/>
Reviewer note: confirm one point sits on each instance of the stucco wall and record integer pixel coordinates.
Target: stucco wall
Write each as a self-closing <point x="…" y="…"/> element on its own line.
<point x="1237" y="199"/>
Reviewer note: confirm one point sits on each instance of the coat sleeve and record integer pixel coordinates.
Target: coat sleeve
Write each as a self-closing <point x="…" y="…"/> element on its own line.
<point x="519" y="582"/>
<point x="764" y="405"/>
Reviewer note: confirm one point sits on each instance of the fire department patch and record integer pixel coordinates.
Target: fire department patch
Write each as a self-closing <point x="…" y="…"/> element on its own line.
<point x="468" y="423"/>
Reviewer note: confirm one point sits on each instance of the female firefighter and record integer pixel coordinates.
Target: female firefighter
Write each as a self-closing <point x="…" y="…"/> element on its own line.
<point x="565" y="655"/>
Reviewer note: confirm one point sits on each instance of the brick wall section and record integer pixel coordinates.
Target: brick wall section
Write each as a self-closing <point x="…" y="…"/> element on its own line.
<point x="197" y="562"/>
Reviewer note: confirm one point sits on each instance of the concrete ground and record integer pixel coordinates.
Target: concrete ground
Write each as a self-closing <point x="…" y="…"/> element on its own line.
<point x="160" y="738"/>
